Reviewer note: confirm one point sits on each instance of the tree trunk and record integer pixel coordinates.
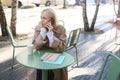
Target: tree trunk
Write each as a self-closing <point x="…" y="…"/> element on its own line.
<point x="3" y="22"/>
<point x="13" y="17"/>
<point x="114" y="2"/>
<point x="119" y="8"/>
<point x="85" y="19"/>
<point x="118" y="15"/>
<point x="95" y="16"/>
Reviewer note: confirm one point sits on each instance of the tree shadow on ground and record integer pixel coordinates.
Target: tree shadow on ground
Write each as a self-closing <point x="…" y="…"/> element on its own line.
<point x="86" y="77"/>
<point x="4" y="41"/>
<point x="18" y="37"/>
<point x="17" y="73"/>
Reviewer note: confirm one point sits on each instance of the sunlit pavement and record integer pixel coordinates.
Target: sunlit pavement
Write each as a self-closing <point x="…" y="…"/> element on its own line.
<point x="92" y="48"/>
<point x="72" y="16"/>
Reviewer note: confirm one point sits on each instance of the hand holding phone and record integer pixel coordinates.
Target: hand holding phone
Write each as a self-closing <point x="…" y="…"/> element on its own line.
<point x="49" y="26"/>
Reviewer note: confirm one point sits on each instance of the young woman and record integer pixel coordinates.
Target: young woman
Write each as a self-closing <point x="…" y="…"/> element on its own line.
<point x="49" y="35"/>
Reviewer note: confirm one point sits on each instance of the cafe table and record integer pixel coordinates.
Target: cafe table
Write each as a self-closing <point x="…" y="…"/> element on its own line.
<point x="33" y="61"/>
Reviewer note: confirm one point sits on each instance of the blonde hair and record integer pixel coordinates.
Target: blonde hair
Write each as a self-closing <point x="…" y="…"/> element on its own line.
<point x="52" y="15"/>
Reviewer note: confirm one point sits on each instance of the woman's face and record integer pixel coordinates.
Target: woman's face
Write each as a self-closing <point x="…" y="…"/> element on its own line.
<point x="44" y="18"/>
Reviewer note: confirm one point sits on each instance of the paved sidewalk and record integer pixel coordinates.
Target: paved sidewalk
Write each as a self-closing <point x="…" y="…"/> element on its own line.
<point x="92" y="50"/>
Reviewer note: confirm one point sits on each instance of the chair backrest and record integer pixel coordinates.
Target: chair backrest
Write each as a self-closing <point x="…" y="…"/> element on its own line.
<point x="73" y="37"/>
<point x="114" y="68"/>
<point x="11" y="38"/>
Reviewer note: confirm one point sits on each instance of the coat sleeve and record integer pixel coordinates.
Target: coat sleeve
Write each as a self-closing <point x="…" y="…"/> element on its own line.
<point x="38" y="41"/>
<point x="59" y="44"/>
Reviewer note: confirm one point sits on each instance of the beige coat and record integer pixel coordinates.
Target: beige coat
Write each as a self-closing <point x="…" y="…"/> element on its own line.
<point x="59" y="44"/>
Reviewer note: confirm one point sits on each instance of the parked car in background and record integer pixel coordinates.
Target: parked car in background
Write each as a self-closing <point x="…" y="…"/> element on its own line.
<point x="21" y="2"/>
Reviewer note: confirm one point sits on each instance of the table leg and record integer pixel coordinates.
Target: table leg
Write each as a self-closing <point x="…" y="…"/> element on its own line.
<point x="44" y="74"/>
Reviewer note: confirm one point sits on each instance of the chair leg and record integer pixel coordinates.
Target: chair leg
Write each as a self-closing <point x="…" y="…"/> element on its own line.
<point x="76" y="55"/>
<point x="13" y="57"/>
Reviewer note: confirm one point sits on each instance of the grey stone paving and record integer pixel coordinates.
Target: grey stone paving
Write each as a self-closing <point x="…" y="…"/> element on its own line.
<point x="92" y="50"/>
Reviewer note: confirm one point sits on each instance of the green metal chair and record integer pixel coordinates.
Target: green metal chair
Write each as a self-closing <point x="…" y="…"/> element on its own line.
<point x="114" y="68"/>
<point x="73" y="40"/>
<point x="13" y="43"/>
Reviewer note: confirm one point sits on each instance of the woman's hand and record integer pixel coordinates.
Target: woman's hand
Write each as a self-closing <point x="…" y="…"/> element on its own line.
<point x="49" y="26"/>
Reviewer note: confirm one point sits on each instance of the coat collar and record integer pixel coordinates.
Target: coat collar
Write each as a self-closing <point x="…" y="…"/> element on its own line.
<point x="56" y="30"/>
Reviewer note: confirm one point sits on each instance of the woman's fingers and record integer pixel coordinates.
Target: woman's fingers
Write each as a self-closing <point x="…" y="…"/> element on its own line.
<point x="49" y="27"/>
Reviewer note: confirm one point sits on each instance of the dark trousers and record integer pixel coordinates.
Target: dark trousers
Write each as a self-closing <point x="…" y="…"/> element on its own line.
<point x="39" y="75"/>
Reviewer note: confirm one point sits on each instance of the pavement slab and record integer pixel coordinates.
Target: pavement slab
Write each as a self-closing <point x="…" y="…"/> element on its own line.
<point x="92" y="49"/>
